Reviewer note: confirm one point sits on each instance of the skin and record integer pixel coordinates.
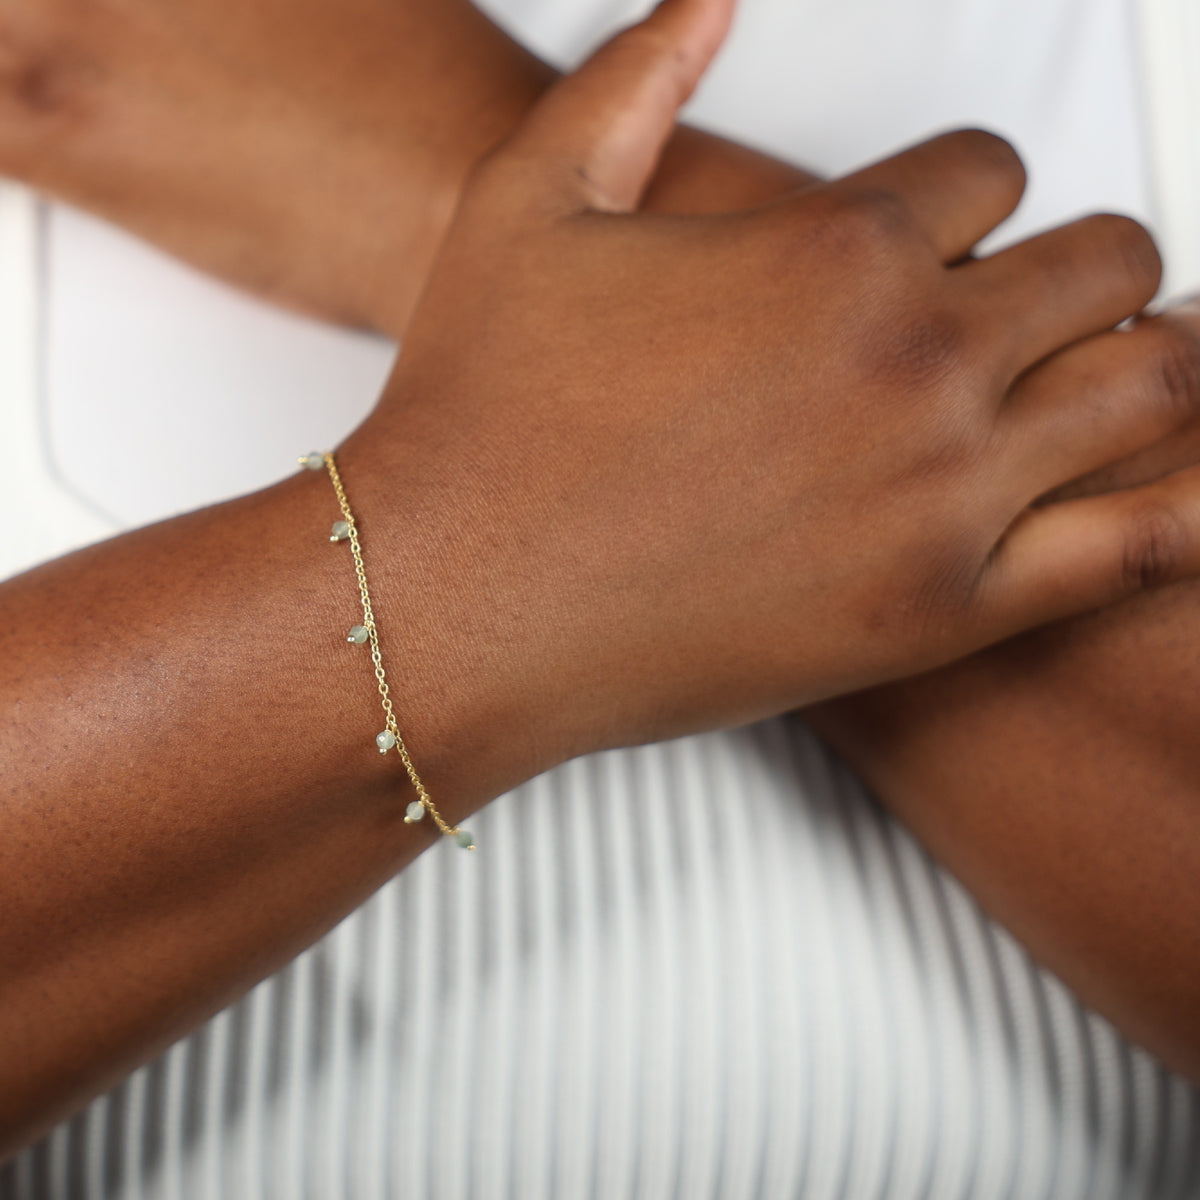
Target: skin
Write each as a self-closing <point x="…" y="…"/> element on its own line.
<point x="95" y="97"/>
<point x="398" y="98"/>
<point x="196" y="864"/>
<point x="1058" y="775"/>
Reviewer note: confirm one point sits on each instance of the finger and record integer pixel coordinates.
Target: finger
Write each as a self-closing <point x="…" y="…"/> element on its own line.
<point x="1061" y="286"/>
<point x="606" y="123"/>
<point x="957" y="187"/>
<point x="1164" y="457"/>
<point x="1080" y="555"/>
<point x="1103" y="399"/>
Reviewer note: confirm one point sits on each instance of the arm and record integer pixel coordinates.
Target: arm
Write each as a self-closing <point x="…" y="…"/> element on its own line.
<point x="189" y="792"/>
<point x="1058" y="775"/>
<point x="116" y="114"/>
<point x="240" y="135"/>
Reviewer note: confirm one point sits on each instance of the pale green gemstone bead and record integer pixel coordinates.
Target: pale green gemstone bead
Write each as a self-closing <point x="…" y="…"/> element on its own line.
<point x="414" y="812"/>
<point x="358" y="634"/>
<point x="314" y="461"/>
<point x="465" y="840"/>
<point x="340" y="531"/>
<point x="385" y="741"/>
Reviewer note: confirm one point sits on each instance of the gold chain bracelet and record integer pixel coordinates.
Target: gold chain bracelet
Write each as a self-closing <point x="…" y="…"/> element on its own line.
<point x="346" y="530"/>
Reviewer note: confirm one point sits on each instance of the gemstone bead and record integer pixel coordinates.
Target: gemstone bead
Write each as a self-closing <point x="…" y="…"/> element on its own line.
<point x="315" y="461"/>
<point x="465" y="840"/>
<point x="358" y="634"/>
<point x="340" y="531"/>
<point x="385" y="741"/>
<point x="414" y="812"/>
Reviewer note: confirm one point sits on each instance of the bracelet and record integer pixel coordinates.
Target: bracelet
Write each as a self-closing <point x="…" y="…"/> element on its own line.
<point x="346" y="530"/>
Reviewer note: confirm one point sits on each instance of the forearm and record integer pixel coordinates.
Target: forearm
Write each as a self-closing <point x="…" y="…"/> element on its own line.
<point x="1058" y="777"/>
<point x="260" y="140"/>
<point x="310" y="152"/>
<point x="190" y="787"/>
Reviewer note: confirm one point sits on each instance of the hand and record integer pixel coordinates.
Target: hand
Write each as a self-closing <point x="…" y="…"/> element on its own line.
<point x="661" y="474"/>
<point x="1055" y="775"/>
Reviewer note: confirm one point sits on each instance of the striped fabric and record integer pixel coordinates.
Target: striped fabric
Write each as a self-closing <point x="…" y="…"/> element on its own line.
<point x="710" y="968"/>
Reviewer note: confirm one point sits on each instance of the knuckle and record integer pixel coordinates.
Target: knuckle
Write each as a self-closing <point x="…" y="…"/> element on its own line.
<point x="857" y="231"/>
<point x="951" y="457"/>
<point x="874" y="218"/>
<point x="947" y="587"/>
<point x="1133" y="245"/>
<point x="45" y="77"/>
<point x="996" y="152"/>
<point x="1154" y="547"/>
<point x="922" y="353"/>
<point x="859" y="225"/>
<point x="1175" y="370"/>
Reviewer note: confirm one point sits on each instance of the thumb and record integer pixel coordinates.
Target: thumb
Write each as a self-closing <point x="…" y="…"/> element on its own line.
<point x="608" y="121"/>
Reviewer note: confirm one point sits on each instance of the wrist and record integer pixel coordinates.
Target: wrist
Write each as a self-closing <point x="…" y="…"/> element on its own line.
<point x="457" y="680"/>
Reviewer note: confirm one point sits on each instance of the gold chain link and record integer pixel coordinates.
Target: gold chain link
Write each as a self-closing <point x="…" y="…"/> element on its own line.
<point x="376" y="657"/>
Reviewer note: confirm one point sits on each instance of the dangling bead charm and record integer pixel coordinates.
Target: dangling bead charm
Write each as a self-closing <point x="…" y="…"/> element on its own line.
<point x="346" y="529"/>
